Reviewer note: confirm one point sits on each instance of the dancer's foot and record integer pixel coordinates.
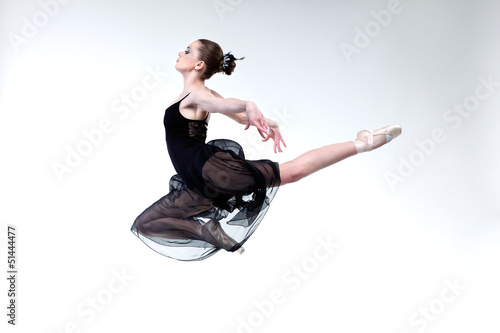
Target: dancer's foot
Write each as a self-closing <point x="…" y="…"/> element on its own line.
<point x="369" y="140"/>
<point x="216" y="236"/>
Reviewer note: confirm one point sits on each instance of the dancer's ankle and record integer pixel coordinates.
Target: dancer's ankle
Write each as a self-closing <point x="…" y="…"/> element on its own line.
<point x="360" y="146"/>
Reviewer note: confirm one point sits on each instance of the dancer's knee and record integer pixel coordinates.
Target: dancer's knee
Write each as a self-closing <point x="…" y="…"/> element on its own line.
<point x="141" y="226"/>
<point x="290" y="173"/>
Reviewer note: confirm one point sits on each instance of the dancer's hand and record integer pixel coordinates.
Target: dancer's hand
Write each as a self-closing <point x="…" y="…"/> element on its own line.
<point x="255" y="117"/>
<point x="275" y="134"/>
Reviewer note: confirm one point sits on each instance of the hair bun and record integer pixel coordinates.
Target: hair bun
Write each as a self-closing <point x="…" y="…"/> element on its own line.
<point x="229" y="63"/>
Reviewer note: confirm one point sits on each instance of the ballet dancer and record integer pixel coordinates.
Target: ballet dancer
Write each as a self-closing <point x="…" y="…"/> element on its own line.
<point x="218" y="198"/>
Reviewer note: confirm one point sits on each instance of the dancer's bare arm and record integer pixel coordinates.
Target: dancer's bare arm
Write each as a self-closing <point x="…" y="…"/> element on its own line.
<point x="273" y="132"/>
<point x="206" y="101"/>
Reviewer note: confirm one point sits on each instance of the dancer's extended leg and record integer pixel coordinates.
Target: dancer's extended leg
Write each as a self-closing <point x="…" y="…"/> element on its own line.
<point x="315" y="160"/>
<point x="321" y="158"/>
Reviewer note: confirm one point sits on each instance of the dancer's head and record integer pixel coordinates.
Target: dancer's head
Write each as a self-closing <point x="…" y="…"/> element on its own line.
<point x="206" y="58"/>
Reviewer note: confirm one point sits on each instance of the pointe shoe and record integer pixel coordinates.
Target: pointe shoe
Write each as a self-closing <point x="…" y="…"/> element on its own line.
<point x="240" y="251"/>
<point x="369" y="140"/>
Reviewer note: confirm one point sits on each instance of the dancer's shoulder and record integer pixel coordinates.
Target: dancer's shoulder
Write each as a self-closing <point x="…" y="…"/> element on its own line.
<point x="215" y="93"/>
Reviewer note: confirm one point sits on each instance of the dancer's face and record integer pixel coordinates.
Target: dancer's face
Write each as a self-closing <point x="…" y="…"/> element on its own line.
<point x="188" y="59"/>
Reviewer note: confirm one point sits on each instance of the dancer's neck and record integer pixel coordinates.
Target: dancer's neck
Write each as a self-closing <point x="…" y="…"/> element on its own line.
<point x="193" y="82"/>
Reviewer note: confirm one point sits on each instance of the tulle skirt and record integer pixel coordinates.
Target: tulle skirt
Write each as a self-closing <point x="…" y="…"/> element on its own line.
<point x="218" y="203"/>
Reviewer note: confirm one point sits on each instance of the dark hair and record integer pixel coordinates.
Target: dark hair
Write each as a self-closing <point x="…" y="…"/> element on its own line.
<point x="215" y="60"/>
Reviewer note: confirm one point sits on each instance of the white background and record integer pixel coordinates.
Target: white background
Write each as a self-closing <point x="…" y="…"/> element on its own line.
<point x="65" y="68"/>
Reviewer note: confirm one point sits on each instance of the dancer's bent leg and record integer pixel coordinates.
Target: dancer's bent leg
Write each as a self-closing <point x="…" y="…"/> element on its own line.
<point x="169" y="218"/>
<point x="172" y="228"/>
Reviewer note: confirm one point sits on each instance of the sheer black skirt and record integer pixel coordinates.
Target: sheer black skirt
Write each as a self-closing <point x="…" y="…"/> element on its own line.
<point x="217" y="204"/>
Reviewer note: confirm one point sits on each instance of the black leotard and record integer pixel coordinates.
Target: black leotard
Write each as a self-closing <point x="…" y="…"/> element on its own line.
<point x="185" y="137"/>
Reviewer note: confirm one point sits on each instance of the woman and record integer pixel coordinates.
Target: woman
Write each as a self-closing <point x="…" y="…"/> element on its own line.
<point x="215" y="183"/>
